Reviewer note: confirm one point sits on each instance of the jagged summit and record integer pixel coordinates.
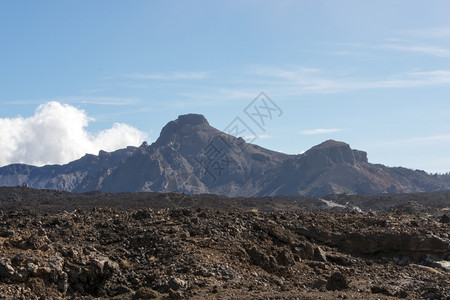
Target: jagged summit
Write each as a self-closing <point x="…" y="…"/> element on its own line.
<point x="191" y="119"/>
<point x="336" y="152"/>
<point x="144" y="144"/>
<point x="183" y="121"/>
<point x="331" y="144"/>
<point x="186" y="127"/>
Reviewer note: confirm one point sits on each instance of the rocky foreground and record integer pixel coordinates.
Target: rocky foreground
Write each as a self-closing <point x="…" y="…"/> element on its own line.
<point x="207" y="254"/>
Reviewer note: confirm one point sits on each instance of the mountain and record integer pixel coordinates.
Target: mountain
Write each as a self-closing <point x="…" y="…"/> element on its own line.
<point x="190" y="156"/>
<point x="334" y="168"/>
<point x="63" y="177"/>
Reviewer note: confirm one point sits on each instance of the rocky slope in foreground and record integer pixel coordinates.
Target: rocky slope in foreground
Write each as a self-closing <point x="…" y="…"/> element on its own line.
<point x="205" y="254"/>
<point x="190" y="156"/>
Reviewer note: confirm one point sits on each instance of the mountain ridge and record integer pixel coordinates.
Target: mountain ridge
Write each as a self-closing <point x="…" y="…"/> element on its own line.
<point x="190" y="156"/>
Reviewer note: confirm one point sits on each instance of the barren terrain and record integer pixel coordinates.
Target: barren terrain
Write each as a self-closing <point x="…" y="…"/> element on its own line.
<point x="246" y="249"/>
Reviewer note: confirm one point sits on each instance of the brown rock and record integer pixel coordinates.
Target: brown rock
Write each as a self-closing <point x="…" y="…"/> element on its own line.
<point x="319" y="254"/>
<point x="285" y="257"/>
<point x="380" y="290"/>
<point x="319" y="283"/>
<point x="306" y="250"/>
<point x="337" y="282"/>
<point x="444" y="219"/>
<point x="146" y="293"/>
<point x="177" y="284"/>
<point x="258" y="257"/>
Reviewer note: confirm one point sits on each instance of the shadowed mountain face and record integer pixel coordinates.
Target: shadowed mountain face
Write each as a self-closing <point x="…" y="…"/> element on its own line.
<point x="190" y="156"/>
<point x="63" y="177"/>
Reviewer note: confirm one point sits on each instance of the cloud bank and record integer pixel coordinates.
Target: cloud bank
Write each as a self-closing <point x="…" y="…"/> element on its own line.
<point x="57" y="134"/>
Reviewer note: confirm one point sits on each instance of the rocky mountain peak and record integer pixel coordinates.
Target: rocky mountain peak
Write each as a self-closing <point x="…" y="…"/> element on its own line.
<point x="144" y="145"/>
<point x="191" y="119"/>
<point x="331" y="144"/>
<point x="336" y="152"/>
<point x="186" y="129"/>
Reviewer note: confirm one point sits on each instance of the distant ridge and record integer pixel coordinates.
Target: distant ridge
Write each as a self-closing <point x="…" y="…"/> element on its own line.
<point x="190" y="156"/>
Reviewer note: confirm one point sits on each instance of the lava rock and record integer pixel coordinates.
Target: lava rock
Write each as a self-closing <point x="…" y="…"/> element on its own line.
<point x="320" y="255"/>
<point x="146" y="293"/>
<point x="177" y="284"/>
<point x="285" y="257"/>
<point x="380" y="290"/>
<point x="337" y="282"/>
<point x="444" y="219"/>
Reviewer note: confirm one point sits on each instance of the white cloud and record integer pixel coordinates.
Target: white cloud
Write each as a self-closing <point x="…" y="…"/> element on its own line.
<point x="319" y="131"/>
<point x="438" y="138"/>
<point x="164" y="76"/>
<point x="96" y="90"/>
<point x="430" y="50"/>
<point x="107" y="101"/>
<point x="442" y="32"/>
<point x="419" y="141"/>
<point x="57" y="133"/>
<point x="297" y="81"/>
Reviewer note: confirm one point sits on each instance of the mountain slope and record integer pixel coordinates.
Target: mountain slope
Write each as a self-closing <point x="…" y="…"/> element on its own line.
<point x="190" y="156"/>
<point x="333" y="167"/>
<point x="62" y="177"/>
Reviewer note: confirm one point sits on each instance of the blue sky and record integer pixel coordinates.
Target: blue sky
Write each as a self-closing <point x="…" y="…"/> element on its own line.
<point x="373" y="74"/>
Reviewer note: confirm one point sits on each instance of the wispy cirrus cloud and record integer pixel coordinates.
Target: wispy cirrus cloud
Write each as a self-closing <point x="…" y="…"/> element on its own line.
<point x="113" y="101"/>
<point x="319" y="131"/>
<point x="108" y="101"/>
<point x="418" y="140"/>
<point x="441" y="137"/>
<point x="163" y="76"/>
<point x="306" y="80"/>
<point x="440" y="32"/>
<point x="294" y="81"/>
<point x="298" y="74"/>
<point x="221" y="93"/>
<point x="429" y="50"/>
<point x="96" y="90"/>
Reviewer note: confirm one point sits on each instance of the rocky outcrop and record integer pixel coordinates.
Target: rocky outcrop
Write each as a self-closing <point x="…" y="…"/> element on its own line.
<point x="69" y="177"/>
<point x="195" y="253"/>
